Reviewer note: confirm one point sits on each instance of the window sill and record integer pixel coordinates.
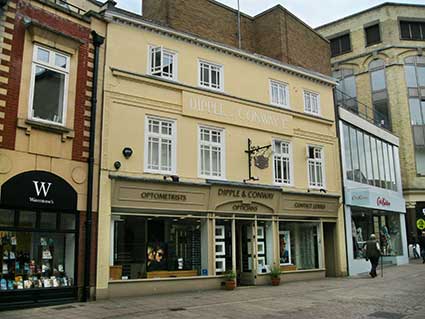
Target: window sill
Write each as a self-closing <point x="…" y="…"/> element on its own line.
<point x="28" y="125"/>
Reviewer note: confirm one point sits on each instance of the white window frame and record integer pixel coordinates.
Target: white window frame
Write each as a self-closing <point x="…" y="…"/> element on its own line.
<point x="291" y="163"/>
<point x="223" y="151"/>
<point x="310" y="95"/>
<point x="285" y="87"/>
<point x="173" y="138"/>
<point x="150" y="70"/>
<point x="209" y="85"/>
<point x="51" y="66"/>
<point x="322" y="161"/>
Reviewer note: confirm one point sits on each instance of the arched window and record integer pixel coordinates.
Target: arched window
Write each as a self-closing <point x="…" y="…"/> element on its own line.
<point x="379" y="93"/>
<point x="414" y="68"/>
<point x="346" y="92"/>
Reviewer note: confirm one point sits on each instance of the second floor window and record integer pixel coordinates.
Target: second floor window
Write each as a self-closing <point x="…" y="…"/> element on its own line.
<point x="282" y="162"/>
<point x="311" y="102"/>
<point x="211" y="152"/>
<point x="279" y="93"/>
<point x="315" y="167"/>
<point x="49" y="85"/>
<point x="160" y="144"/>
<point x="412" y="30"/>
<point x="163" y="63"/>
<point x="373" y="35"/>
<point x="211" y="75"/>
<point x="340" y="45"/>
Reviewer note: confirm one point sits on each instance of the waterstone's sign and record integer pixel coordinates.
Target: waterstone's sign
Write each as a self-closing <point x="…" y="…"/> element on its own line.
<point x="235" y="113"/>
<point x="39" y="190"/>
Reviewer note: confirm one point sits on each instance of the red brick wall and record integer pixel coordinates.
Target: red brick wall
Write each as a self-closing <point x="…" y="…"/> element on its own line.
<point x="15" y="69"/>
<point x="276" y="33"/>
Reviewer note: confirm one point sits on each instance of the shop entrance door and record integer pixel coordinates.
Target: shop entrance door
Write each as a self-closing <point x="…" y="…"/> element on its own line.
<point x="330" y="249"/>
<point x="246" y="267"/>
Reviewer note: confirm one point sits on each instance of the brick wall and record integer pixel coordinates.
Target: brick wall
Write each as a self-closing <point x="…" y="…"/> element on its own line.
<point x="11" y="68"/>
<point x="275" y="33"/>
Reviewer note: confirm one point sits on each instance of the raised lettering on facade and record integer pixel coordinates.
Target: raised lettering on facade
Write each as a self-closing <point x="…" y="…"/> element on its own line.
<point x="163" y="196"/>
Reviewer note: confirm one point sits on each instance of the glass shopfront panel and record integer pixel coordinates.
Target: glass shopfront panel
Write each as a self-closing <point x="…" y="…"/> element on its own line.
<point x="299" y="245"/>
<point x="223" y="246"/>
<point x="386" y="227"/>
<point x="150" y="247"/>
<point x="34" y="253"/>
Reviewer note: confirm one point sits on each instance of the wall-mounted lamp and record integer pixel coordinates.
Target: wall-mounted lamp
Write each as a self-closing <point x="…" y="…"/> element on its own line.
<point x="174" y="178"/>
<point x="117" y="165"/>
<point x="127" y="152"/>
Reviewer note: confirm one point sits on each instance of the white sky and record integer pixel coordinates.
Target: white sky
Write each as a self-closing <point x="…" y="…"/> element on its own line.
<point x="313" y="12"/>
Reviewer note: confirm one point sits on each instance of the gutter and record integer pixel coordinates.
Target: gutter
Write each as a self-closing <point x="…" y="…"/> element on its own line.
<point x="97" y="42"/>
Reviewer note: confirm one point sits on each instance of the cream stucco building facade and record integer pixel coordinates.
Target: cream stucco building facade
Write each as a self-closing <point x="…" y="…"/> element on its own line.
<point x="213" y="159"/>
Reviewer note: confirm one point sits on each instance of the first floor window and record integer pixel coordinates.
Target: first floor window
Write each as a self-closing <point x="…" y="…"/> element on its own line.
<point x="163" y="63"/>
<point x="154" y="247"/>
<point x="315" y="167"/>
<point x="279" y="93"/>
<point x="50" y="71"/>
<point x="211" y="75"/>
<point x="211" y="152"/>
<point x="282" y="162"/>
<point x="160" y="143"/>
<point x="299" y="245"/>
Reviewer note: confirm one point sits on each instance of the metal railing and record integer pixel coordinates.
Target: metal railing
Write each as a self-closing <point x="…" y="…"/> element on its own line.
<point x="362" y="110"/>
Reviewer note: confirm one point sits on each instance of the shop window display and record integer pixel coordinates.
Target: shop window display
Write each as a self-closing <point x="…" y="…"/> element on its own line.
<point x="32" y="257"/>
<point x="157" y="247"/>
<point x="386" y="226"/>
<point x="223" y="246"/>
<point x="299" y="245"/>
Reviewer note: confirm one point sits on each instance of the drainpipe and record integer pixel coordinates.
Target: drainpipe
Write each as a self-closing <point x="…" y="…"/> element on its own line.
<point x="97" y="42"/>
<point x="338" y="135"/>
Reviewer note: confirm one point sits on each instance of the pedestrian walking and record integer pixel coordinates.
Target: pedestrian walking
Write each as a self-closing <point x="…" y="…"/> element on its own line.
<point x="415" y="248"/>
<point x="421" y="242"/>
<point x="373" y="252"/>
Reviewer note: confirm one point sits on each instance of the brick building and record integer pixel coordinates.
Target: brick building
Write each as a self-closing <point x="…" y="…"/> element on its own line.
<point x="275" y="33"/>
<point x="48" y="63"/>
<point x="377" y="55"/>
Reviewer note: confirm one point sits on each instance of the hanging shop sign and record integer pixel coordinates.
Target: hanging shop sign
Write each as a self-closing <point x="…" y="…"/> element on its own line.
<point x="38" y="190"/>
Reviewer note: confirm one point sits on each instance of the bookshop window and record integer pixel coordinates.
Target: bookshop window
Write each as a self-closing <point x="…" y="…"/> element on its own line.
<point x="299" y="245"/>
<point x="36" y="257"/>
<point x="150" y="247"/>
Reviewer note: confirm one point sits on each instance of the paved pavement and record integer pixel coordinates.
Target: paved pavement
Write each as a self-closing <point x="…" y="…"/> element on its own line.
<point x="400" y="294"/>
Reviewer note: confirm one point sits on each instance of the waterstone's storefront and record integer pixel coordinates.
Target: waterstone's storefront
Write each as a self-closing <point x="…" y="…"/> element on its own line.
<point x="167" y="236"/>
<point x="38" y="240"/>
<point x="380" y="212"/>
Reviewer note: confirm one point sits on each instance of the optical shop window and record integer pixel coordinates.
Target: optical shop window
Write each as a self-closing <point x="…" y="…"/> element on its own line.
<point x="37" y="250"/>
<point x="385" y="226"/>
<point x="149" y="247"/>
<point x="264" y="246"/>
<point x="299" y="245"/>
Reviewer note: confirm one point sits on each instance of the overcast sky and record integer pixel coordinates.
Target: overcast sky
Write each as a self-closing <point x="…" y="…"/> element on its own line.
<point x="313" y="12"/>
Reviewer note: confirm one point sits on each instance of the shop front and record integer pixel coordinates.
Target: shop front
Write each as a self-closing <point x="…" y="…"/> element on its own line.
<point x="380" y="212"/>
<point x="170" y="237"/>
<point x="38" y="240"/>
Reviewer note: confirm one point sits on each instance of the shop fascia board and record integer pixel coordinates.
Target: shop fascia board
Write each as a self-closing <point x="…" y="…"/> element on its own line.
<point x="113" y="16"/>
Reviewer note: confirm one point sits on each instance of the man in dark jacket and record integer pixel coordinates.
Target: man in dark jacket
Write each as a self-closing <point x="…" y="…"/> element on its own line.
<point x="373" y="252"/>
<point x="421" y="243"/>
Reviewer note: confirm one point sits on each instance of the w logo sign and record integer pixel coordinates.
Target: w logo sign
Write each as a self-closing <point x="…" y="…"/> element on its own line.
<point x="42" y="187"/>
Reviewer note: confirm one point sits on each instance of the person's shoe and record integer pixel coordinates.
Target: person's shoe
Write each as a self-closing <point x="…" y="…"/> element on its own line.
<point x="423" y="262"/>
<point x="371" y="274"/>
